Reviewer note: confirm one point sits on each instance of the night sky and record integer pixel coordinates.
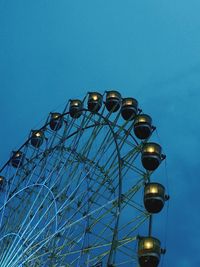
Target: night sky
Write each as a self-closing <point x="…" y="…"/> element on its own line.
<point x="51" y="51"/>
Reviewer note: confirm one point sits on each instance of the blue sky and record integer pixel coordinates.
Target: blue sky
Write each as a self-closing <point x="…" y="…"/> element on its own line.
<point x="51" y="51"/>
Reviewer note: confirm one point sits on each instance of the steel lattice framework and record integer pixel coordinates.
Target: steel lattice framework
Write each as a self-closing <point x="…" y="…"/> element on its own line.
<point x="76" y="199"/>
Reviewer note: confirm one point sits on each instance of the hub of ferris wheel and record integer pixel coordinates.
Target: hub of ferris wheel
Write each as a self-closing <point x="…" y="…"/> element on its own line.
<point x="154" y="197"/>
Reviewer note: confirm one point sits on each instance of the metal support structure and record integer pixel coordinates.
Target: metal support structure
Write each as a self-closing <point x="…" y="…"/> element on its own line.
<point x="150" y="224"/>
<point x="66" y="200"/>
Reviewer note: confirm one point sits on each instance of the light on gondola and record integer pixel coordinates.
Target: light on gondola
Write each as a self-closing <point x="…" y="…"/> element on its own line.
<point x="17" y="159"/>
<point x="129" y="108"/>
<point x="143" y="126"/>
<point x="2" y="180"/>
<point x="94" y="101"/>
<point x="75" y="108"/>
<point x="56" y="121"/>
<point x="37" y="138"/>
<point x="151" y="156"/>
<point x="154" y="197"/>
<point x="149" y="251"/>
<point x="113" y="101"/>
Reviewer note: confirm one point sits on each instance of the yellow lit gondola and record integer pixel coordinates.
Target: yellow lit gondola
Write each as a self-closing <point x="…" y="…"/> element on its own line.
<point x="113" y="101"/>
<point x="94" y="101"/>
<point x="129" y="108"/>
<point x="37" y="138"/>
<point x="56" y="121"/>
<point x="151" y="156"/>
<point x="75" y="108"/>
<point x="154" y="197"/>
<point x="143" y="126"/>
<point x="17" y="159"/>
<point x="149" y="251"/>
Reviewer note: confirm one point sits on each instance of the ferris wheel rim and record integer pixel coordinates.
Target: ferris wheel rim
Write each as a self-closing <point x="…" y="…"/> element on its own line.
<point x="48" y="123"/>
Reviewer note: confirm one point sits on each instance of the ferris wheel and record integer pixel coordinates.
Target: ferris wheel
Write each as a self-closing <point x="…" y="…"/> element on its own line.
<point x="79" y="191"/>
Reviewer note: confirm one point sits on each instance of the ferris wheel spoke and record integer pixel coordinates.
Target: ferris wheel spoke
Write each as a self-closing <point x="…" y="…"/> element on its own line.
<point x="47" y="178"/>
<point x="120" y="244"/>
<point x="89" y="143"/>
<point x="95" y="216"/>
<point x="16" y="194"/>
<point x="63" y="227"/>
<point x="101" y="236"/>
<point x="22" y="179"/>
<point x="97" y="219"/>
<point x="97" y="153"/>
<point x="77" y="163"/>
